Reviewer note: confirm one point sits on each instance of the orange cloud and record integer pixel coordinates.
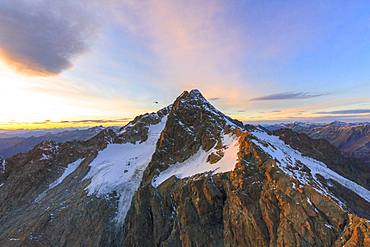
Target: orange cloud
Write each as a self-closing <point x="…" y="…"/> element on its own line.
<point x="23" y="66"/>
<point x="42" y="37"/>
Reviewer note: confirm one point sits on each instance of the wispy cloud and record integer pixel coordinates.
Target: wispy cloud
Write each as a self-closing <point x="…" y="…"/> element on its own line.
<point x="287" y="96"/>
<point x="214" y="98"/>
<point x="321" y="119"/>
<point x="42" y="37"/>
<point x="191" y="49"/>
<point x="96" y="121"/>
<point x="344" y="112"/>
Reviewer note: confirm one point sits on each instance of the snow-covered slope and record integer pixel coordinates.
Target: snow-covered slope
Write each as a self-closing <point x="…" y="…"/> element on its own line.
<point x="292" y="161"/>
<point x="198" y="163"/>
<point x="69" y="170"/>
<point x="289" y="160"/>
<point x="72" y="167"/>
<point x="120" y="167"/>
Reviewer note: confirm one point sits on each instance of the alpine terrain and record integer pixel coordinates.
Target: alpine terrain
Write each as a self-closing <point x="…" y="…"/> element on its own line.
<point x="352" y="139"/>
<point x="186" y="175"/>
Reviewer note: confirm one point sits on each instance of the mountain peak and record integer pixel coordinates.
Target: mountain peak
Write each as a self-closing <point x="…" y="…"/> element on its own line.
<point x="338" y="123"/>
<point x="196" y="93"/>
<point x="193" y="94"/>
<point x="193" y="101"/>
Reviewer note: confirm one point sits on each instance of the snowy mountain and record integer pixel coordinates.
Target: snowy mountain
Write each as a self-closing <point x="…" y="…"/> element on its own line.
<point x="353" y="139"/>
<point x="186" y="175"/>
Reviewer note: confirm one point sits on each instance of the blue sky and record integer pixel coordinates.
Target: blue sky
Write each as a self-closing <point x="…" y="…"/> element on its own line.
<point x="256" y="60"/>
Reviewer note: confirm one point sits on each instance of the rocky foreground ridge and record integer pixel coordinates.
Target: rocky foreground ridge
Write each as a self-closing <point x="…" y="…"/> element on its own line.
<point x="185" y="176"/>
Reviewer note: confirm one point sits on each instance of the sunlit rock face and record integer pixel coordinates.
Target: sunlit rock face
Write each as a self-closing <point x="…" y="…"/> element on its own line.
<point x="186" y="175"/>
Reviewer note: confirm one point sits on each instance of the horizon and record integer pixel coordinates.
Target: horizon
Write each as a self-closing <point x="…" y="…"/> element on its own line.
<point x="92" y="123"/>
<point x="69" y="65"/>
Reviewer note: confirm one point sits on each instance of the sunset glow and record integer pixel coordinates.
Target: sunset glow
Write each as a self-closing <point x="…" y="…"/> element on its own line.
<point x="70" y="65"/>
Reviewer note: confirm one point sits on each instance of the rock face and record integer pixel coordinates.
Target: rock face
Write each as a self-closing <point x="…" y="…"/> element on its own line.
<point x="185" y="176"/>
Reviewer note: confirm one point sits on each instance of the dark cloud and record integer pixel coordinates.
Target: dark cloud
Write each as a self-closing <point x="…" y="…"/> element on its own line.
<point x="42" y="37"/>
<point x="287" y="96"/>
<point x="352" y="111"/>
<point x="241" y="110"/>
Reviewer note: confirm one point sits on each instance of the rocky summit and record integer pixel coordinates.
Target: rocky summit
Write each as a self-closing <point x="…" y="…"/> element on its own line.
<point x="187" y="175"/>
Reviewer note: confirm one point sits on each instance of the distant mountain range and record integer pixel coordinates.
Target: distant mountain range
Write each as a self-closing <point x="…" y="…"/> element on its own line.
<point x="186" y="175"/>
<point x="14" y="142"/>
<point x="353" y="139"/>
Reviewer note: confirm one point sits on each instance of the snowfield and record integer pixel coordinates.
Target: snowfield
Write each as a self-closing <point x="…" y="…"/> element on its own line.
<point x="289" y="160"/>
<point x="69" y="170"/>
<point x="120" y="167"/>
<point x="197" y="164"/>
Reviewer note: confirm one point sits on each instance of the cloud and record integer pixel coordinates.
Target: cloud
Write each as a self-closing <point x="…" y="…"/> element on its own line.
<point x="215" y="98"/>
<point x="96" y="121"/>
<point x="321" y="119"/>
<point x="287" y="96"/>
<point x="192" y="49"/>
<point x="42" y="37"/>
<point x="344" y="112"/>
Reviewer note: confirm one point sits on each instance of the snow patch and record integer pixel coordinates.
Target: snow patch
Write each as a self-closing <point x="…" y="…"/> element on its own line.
<point x="120" y="167"/>
<point x="329" y="226"/>
<point x="291" y="162"/>
<point x="2" y="166"/>
<point x="70" y="169"/>
<point x="198" y="164"/>
<point x="45" y="156"/>
<point x="293" y="186"/>
<point x="309" y="201"/>
<point x="230" y="123"/>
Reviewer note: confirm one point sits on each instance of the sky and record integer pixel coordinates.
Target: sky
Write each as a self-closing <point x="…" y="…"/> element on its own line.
<point x="77" y="63"/>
